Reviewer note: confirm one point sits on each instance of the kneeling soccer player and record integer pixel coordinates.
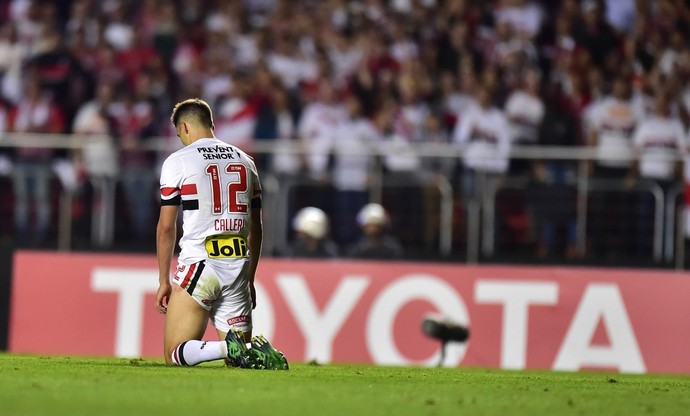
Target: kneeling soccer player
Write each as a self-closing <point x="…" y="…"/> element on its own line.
<point x="218" y="187"/>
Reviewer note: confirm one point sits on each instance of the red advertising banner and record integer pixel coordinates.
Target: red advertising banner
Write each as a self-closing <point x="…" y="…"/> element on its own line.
<point x="369" y="312"/>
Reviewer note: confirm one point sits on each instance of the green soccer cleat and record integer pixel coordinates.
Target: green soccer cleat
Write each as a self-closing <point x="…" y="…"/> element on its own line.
<point x="238" y="353"/>
<point x="267" y="357"/>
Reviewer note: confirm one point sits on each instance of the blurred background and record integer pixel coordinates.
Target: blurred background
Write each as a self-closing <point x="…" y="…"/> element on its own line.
<point x="462" y="131"/>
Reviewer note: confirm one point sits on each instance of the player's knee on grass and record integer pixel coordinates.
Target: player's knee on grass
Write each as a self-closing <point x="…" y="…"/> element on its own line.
<point x="185" y="320"/>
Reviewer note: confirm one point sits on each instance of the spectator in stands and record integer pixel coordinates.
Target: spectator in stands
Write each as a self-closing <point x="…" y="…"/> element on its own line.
<point x="456" y="49"/>
<point x="621" y="15"/>
<point x="612" y="122"/>
<point x="376" y="243"/>
<point x="525" y="111"/>
<point x="595" y="35"/>
<point x="60" y="74"/>
<point x="551" y="206"/>
<point x="93" y="117"/>
<point x="290" y="64"/>
<point x="164" y="30"/>
<point x="319" y="119"/>
<point x="12" y="56"/>
<point x="84" y="52"/>
<point x="217" y="81"/>
<point x="455" y="100"/>
<point x="134" y="58"/>
<point x="353" y="141"/>
<point x="551" y="192"/>
<point x="406" y="179"/>
<point x="276" y="122"/>
<point x="524" y="16"/>
<point x="162" y="89"/>
<point x="236" y="115"/>
<point x="82" y="23"/>
<point x="36" y="112"/>
<point x="99" y="160"/>
<point x="370" y="49"/>
<point x="117" y="31"/>
<point x="107" y="69"/>
<point x="659" y="140"/>
<point x="133" y="117"/>
<point x="311" y="226"/>
<point x="483" y="135"/>
<point x="438" y="171"/>
<point x="345" y="54"/>
<point x="511" y="54"/>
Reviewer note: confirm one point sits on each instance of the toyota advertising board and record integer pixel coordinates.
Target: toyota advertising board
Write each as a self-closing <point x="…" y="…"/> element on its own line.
<point x="556" y="318"/>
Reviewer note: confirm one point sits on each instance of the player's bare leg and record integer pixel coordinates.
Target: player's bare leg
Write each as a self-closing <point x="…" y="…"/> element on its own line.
<point x="185" y="320"/>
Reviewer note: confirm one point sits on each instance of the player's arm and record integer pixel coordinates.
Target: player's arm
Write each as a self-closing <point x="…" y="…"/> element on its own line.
<point x="256" y="236"/>
<point x="166" y="234"/>
<point x="166" y="231"/>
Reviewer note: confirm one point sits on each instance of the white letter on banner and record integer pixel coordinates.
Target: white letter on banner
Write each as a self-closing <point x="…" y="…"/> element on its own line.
<point x="131" y="285"/>
<point x="380" y="322"/>
<point x="600" y="301"/>
<point x="263" y="317"/>
<point x="320" y="329"/>
<point x="516" y="298"/>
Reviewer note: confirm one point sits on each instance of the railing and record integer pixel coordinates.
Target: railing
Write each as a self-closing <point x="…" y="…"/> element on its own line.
<point x="662" y="220"/>
<point x="668" y="238"/>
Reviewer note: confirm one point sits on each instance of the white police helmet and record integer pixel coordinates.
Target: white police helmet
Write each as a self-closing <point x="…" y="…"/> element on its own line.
<point x="372" y="214"/>
<point x="311" y="221"/>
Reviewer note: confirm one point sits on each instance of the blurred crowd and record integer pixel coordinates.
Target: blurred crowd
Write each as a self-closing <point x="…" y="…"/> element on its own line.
<point x="340" y="75"/>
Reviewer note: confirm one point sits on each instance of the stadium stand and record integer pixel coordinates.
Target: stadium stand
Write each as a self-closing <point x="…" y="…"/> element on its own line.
<point x="280" y="76"/>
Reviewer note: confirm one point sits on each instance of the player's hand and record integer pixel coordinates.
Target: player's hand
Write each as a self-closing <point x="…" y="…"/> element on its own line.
<point x="162" y="297"/>
<point x="252" y="293"/>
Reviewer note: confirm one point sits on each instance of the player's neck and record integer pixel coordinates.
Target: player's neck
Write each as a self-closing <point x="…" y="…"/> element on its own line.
<point x="201" y="134"/>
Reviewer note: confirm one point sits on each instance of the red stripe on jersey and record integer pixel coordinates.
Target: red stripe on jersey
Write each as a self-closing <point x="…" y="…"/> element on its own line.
<point x="168" y="191"/>
<point x="189" y="189"/>
<point x="188" y="277"/>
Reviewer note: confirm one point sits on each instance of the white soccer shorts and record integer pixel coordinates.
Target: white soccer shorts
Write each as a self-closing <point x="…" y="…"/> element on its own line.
<point x="220" y="288"/>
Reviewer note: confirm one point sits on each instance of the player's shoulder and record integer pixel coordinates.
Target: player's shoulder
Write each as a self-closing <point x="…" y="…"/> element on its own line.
<point x="178" y="155"/>
<point x="175" y="156"/>
<point x="242" y="154"/>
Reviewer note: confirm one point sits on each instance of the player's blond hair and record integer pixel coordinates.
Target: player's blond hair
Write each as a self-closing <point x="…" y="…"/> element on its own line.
<point x="194" y="108"/>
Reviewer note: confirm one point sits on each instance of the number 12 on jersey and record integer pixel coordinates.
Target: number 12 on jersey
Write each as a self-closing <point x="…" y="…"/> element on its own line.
<point x="237" y="184"/>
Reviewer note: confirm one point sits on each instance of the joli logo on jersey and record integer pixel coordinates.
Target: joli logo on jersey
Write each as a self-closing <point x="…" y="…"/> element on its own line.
<point x="219" y="246"/>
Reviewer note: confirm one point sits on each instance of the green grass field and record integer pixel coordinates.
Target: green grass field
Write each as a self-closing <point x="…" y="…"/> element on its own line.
<point x="74" y="386"/>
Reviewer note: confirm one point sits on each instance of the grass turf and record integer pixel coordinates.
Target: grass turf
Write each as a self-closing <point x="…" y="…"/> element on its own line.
<point x="73" y="386"/>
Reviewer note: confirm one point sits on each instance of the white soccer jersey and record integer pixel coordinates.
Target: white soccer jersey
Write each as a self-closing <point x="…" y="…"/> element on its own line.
<point x="351" y="164"/>
<point x="315" y="128"/>
<point x="215" y="183"/>
<point x="615" y="121"/>
<point x="525" y="113"/>
<point x="659" y="142"/>
<point x="484" y="136"/>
